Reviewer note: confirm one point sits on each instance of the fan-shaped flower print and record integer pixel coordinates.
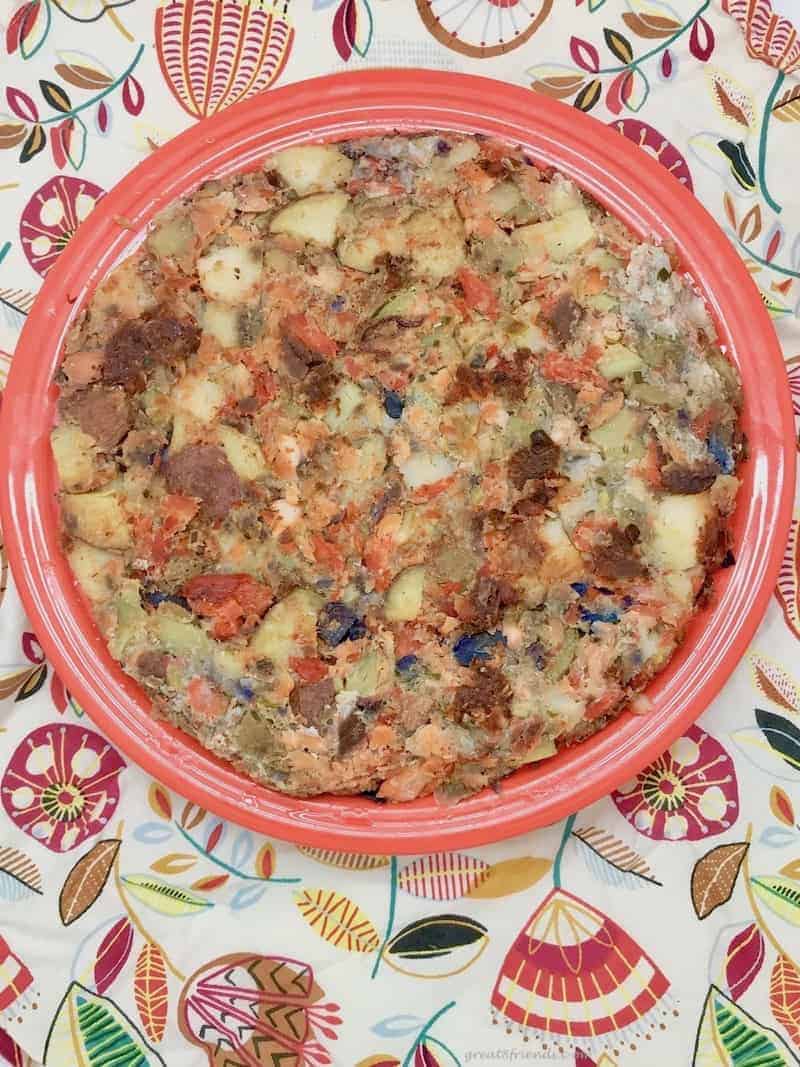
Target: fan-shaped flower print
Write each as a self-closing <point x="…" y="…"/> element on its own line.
<point x="245" y="1010"/>
<point x="15" y="977"/>
<point x="215" y="52"/>
<point x="655" y="144"/>
<point x="483" y="28"/>
<point x="573" y="971"/>
<point x="769" y="36"/>
<point x="51" y="217"/>
<point x="688" y="793"/>
<point x="61" y="785"/>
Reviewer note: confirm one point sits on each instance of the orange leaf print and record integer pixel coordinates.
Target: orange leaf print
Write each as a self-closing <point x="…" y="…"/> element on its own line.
<point x="750" y="226"/>
<point x="150" y="991"/>
<point x="781" y="806"/>
<point x="159" y="801"/>
<point x="784" y="996"/>
<point x="265" y="861"/>
<point x="337" y="920"/>
<point x="791" y="870"/>
<point x="191" y="816"/>
<point x="730" y="209"/>
<point x="211" y="881"/>
<point x="174" y="863"/>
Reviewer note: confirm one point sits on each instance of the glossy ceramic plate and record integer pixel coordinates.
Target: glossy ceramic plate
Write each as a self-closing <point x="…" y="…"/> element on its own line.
<point x="631" y="185"/>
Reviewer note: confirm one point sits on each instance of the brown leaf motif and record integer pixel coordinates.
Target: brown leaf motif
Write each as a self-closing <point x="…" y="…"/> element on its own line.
<point x="733" y="102"/>
<point x="750" y="226"/>
<point x="787" y="107"/>
<point x="714" y="877"/>
<point x="775" y="683"/>
<point x="784" y="996"/>
<point x="730" y="209"/>
<point x="653" y="27"/>
<point x="85" y="882"/>
<point x="559" y="86"/>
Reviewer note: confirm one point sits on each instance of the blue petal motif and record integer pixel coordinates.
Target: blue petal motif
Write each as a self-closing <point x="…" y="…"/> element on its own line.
<point x="152" y="833"/>
<point x="247" y="895"/>
<point x="398" y="1026"/>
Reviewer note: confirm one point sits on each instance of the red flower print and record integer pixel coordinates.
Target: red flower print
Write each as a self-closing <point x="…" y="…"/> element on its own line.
<point x="769" y="36"/>
<point x="655" y="144"/>
<point x="15" y="977"/>
<point x="688" y="793"/>
<point x="233" y="50"/>
<point x="575" y="973"/>
<point x="61" y="785"/>
<point x="247" y="1009"/>
<point x="51" y="217"/>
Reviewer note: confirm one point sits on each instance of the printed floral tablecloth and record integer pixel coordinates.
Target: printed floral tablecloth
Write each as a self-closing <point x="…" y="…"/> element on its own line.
<point x="659" y="927"/>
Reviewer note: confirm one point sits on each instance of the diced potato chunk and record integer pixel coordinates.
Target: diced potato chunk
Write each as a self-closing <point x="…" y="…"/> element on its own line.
<point x="314" y="218"/>
<point x="231" y="274"/>
<point x="73" y="451"/>
<point x="130" y="616"/>
<point x="562" y="559"/>
<point x="346" y="400"/>
<point x="198" y="396"/>
<point x="425" y="468"/>
<point x="559" y="237"/>
<point x="182" y="638"/>
<point x="435" y="243"/>
<point x="97" y="571"/>
<point x="311" y="168"/>
<point x="98" y="518"/>
<point x="503" y="198"/>
<point x="563" y="196"/>
<point x="677" y="526"/>
<point x="174" y="237"/>
<point x="359" y="250"/>
<point x="244" y="454"/>
<point x="618" y="360"/>
<point x="368" y="674"/>
<point x="288" y="626"/>
<point x="620" y="435"/>
<point x="222" y="321"/>
<point x="404" y="599"/>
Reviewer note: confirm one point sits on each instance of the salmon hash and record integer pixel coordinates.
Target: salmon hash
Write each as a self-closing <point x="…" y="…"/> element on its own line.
<point x="393" y="465"/>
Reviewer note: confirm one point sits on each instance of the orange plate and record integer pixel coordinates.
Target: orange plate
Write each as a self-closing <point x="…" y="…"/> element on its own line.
<point x="632" y="186"/>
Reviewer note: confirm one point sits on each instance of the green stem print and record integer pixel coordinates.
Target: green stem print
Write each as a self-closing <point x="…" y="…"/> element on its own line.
<point x="390" y="918"/>
<point x="762" y="143"/>
<point x="73" y="112"/>
<point x="560" y="853"/>
<point x="660" y="47"/>
<point x="423" y="1035"/>
<point x="226" y="866"/>
<point x="136" y="922"/>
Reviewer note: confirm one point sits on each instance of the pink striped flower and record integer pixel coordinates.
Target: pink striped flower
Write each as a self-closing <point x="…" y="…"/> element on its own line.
<point x="215" y="52"/>
<point x="770" y="37"/>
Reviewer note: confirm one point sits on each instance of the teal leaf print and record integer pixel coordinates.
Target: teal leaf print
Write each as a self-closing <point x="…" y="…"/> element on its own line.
<point x="91" y="1029"/>
<point x="729" y="1037"/>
